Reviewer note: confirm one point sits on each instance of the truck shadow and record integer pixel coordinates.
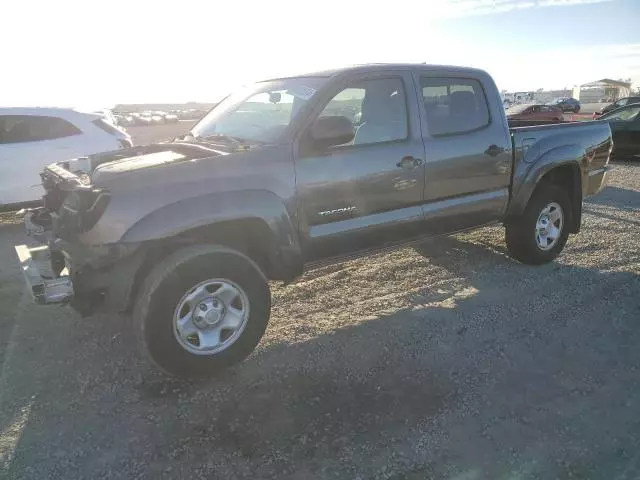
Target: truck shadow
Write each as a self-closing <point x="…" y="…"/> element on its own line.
<point x="463" y="379"/>
<point x="615" y="197"/>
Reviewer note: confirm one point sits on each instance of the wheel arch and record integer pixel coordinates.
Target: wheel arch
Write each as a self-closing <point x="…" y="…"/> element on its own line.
<point x="559" y="166"/>
<point x="258" y="216"/>
<point x="568" y="176"/>
<point x="255" y="223"/>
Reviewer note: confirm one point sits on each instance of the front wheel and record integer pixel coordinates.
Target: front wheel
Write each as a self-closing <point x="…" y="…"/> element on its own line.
<point x="202" y="309"/>
<point x="540" y="233"/>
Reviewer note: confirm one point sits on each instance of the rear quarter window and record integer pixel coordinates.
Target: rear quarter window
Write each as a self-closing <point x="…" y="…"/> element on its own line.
<point x="34" y="128"/>
<point x="454" y="106"/>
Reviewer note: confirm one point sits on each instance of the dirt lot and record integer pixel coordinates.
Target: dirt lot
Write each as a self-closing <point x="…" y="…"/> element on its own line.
<point x="446" y="361"/>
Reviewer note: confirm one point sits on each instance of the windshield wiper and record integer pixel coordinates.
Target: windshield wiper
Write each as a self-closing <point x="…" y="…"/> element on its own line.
<point x="237" y="141"/>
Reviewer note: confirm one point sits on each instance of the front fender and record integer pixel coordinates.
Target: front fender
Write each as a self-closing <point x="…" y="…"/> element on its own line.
<point x="529" y="173"/>
<point x="191" y="213"/>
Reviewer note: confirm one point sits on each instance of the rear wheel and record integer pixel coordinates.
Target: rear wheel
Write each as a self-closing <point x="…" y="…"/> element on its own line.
<point x="540" y="233"/>
<point x="202" y="309"/>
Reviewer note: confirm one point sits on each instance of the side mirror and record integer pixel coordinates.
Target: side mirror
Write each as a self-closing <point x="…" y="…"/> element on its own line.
<point x="331" y="131"/>
<point x="275" y="97"/>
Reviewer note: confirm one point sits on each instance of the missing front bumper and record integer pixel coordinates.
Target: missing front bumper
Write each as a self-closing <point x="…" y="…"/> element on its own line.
<point x="88" y="277"/>
<point x="43" y="284"/>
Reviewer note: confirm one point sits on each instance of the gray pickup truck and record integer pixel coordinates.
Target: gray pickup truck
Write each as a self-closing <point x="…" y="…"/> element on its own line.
<point x="291" y="173"/>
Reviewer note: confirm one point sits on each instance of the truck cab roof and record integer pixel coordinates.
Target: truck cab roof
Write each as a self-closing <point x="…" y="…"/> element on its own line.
<point x="382" y="67"/>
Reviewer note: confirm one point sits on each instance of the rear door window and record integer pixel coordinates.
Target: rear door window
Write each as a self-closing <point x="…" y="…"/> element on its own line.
<point x="34" y="128"/>
<point x="454" y="105"/>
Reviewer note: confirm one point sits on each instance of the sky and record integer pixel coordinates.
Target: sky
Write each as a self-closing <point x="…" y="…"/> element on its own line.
<point x="90" y="54"/>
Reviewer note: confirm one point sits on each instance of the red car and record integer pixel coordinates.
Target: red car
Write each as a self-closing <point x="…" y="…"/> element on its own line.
<point x="537" y="113"/>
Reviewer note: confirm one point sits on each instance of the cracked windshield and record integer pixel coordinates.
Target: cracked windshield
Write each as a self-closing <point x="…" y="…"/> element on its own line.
<point x="277" y="240"/>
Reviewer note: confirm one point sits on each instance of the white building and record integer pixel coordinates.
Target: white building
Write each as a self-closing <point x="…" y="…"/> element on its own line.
<point x="605" y="89"/>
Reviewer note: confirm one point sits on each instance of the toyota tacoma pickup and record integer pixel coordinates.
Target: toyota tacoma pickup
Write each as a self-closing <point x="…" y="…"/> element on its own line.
<point x="291" y="173"/>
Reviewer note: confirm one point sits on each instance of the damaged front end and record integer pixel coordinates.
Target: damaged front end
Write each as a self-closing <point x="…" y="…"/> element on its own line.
<point x="90" y="202"/>
<point x="56" y="266"/>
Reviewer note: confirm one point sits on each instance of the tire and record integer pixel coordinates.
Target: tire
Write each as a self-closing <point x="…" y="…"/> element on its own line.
<point x="522" y="235"/>
<point x="192" y="272"/>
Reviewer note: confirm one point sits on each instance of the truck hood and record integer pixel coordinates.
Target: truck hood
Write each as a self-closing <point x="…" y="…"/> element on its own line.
<point x="125" y="165"/>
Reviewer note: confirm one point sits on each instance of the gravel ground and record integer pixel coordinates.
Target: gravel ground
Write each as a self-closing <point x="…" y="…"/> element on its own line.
<point x="444" y="361"/>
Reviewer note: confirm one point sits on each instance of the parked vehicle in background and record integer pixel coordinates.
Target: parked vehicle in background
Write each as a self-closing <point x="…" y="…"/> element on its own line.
<point x="31" y="138"/>
<point x="617" y="104"/>
<point x="519" y="115"/>
<point x="144" y="118"/>
<point x="125" y="120"/>
<point x="171" y="118"/>
<point x="157" y="118"/>
<point x="191" y="114"/>
<point x="278" y="178"/>
<point x="523" y="97"/>
<point x="107" y="116"/>
<point x="625" y="129"/>
<point x="567" y="104"/>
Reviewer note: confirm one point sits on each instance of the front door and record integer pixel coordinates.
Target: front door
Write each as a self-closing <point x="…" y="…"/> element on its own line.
<point x="366" y="193"/>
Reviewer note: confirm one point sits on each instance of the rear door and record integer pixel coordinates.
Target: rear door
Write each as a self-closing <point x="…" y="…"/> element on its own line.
<point x="27" y="144"/>
<point x="368" y="192"/>
<point x="468" y="151"/>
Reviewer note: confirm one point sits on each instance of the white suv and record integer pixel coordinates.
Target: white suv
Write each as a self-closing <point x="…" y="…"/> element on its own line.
<point x="32" y="138"/>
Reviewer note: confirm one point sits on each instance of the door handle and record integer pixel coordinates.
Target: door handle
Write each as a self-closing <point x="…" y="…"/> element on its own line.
<point x="409" y="162"/>
<point x="494" y="150"/>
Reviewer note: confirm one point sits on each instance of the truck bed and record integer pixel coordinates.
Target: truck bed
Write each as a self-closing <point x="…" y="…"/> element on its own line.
<point x="590" y="142"/>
